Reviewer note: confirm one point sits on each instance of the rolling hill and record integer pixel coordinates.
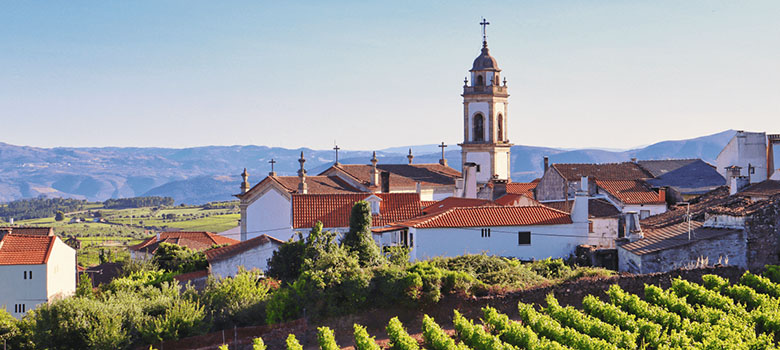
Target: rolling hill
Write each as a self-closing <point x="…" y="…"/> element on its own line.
<point x="202" y="174"/>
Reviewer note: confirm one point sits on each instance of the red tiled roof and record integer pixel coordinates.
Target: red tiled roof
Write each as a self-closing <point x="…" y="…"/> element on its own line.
<point x="491" y="216"/>
<point x="631" y="192"/>
<point x="597" y="207"/>
<point x="608" y="171"/>
<point x="512" y="198"/>
<point x="698" y="207"/>
<point x="524" y="188"/>
<point x="28" y="230"/>
<point x="314" y="185"/>
<point x="235" y="249"/>
<point x="184" y="277"/>
<point x="455" y="202"/>
<point x="673" y="236"/>
<point x="16" y="249"/>
<point x="424" y="204"/>
<point x="333" y="210"/>
<point x="194" y="240"/>
<point x="402" y="175"/>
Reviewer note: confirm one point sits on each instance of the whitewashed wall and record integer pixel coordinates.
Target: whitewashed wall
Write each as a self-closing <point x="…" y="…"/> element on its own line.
<point x="61" y="271"/>
<point x="270" y="214"/>
<point x="14" y="289"/>
<point x="255" y="258"/>
<point x="557" y="241"/>
<point x="654" y="209"/>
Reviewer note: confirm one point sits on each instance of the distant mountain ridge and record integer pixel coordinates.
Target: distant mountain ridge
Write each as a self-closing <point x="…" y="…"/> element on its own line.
<point x="202" y="174"/>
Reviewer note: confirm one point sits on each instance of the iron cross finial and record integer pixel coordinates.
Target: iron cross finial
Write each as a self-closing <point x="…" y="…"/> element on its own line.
<point x="336" y="148"/>
<point x="272" y="162"/>
<point x="484" y="25"/>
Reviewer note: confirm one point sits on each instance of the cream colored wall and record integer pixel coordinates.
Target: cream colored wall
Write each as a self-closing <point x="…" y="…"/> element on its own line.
<point x="501" y="161"/>
<point x="61" y="271"/>
<point x="483" y="159"/>
<point x="14" y="289"/>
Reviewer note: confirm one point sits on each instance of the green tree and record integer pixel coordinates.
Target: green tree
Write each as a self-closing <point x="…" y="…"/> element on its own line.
<point x="84" y="288"/>
<point x="59" y="216"/>
<point x="359" y="239"/>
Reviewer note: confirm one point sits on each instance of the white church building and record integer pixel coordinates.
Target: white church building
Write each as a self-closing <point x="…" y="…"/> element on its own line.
<point x="278" y="206"/>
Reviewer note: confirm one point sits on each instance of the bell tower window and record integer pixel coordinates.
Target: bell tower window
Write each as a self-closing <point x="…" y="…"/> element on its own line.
<point x="500" y="127"/>
<point x="479" y="128"/>
<point x="480" y="80"/>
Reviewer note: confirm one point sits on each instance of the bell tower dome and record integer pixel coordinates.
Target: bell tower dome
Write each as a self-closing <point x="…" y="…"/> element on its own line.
<point x="485" y="101"/>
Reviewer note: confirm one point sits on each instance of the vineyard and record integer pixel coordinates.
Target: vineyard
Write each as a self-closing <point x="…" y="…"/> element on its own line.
<point x="712" y="315"/>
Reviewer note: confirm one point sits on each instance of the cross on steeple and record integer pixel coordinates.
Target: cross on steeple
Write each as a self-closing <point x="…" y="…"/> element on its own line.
<point x="272" y="162"/>
<point x="442" y="161"/>
<point x="336" y="148"/>
<point x="484" y="25"/>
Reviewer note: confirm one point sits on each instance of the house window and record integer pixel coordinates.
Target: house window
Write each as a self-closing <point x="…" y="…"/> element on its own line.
<point x="523" y="238"/>
<point x="486" y="232"/>
<point x="643" y="214"/>
<point x="590" y="226"/>
<point x="411" y="240"/>
<point x="28" y="275"/>
<point x="25" y="275"/>
<point x="480" y="80"/>
<point x="19" y="308"/>
<point x="479" y="128"/>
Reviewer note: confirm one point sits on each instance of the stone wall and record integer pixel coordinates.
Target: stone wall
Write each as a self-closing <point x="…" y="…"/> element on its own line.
<point x="763" y="232"/>
<point x="726" y="250"/>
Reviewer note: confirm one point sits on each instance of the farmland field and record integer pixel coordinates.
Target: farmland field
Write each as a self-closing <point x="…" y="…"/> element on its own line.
<point x="712" y="315"/>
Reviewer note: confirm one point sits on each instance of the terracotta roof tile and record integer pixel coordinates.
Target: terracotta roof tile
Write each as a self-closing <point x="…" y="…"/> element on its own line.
<point x="402" y="175"/>
<point x="631" y="192"/>
<point x="17" y="249"/>
<point x="333" y="210"/>
<point x="597" y="207"/>
<point x="28" y="230"/>
<point x="314" y="185"/>
<point x="198" y="240"/>
<point x="491" y="216"/>
<point x="222" y="253"/>
<point x="524" y="188"/>
<point x="184" y="277"/>
<point x="607" y="171"/>
<point x="673" y="236"/>
<point x="455" y="202"/>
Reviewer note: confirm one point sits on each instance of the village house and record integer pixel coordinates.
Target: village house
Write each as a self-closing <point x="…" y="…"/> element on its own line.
<point x="753" y="153"/>
<point x="604" y="219"/>
<point x="197" y="241"/>
<point x="683" y="179"/>
<point x="738" y="227"/>
<point x="250" y="254"/>
<point x="633" y="196"/>
<point x="34" y="269"/>
<point x="526" y="232"/>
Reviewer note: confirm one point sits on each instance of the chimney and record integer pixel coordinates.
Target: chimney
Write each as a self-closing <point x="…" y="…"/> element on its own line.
<point x="302" y="186"/>
<point x="499" y="188"/>
<point x="579" y="212"/>
<point x="738" y="183"/>
<point x="733" y="171"/>
<point x="470" y="172"/>
<point x="385" y="182"/>
<point x="245" y="184"/>
<point x="546" y="164"/>
<point x="410" y="156"/>
<point x="633" y="230"/>
<point x="662" y="194"/>
<point x="418" y="187"/>
<point x="374" y="171"/>
<point x="633" y="160"/>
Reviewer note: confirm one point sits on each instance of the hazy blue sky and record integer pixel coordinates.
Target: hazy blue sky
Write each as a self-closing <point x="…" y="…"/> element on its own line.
<point x="373" y="75"/>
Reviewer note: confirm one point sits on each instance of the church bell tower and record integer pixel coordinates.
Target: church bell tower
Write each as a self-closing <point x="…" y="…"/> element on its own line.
<point x="485" y="101"/>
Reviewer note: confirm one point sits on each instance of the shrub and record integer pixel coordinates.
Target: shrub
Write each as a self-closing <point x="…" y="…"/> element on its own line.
<point x="292" y="343"/>
<point x="237" y="300"/>
<point x="551" y="268"/>
<point x="79" y="323"/>
<point x="363" y="341"/>
<point x="326" y="339"/>
<point x="285" y="263"/>
<point x="183" y="319"/>
<point x="175" y="258"/>
<point x="258" y="344"/>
